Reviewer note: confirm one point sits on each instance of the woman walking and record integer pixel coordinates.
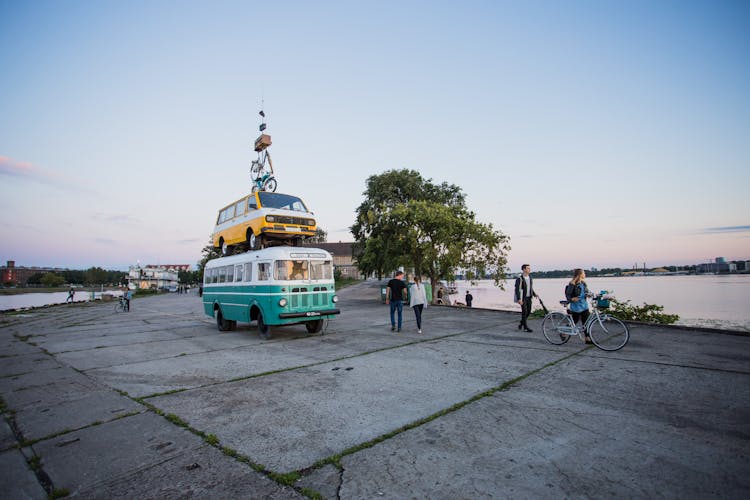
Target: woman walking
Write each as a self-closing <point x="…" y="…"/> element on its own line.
<point x="575" y="293"/>
<point x="418" y="300"/>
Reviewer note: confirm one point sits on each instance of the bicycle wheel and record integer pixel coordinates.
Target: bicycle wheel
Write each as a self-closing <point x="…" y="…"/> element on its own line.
<point x="556" y="328"/>
<point x="271" y="184"/>
<point x="609" y="333"/>
<point x="119" y="307"/>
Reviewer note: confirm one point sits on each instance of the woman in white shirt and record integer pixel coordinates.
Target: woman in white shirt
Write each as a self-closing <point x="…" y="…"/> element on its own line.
<point x="417" y="300"/>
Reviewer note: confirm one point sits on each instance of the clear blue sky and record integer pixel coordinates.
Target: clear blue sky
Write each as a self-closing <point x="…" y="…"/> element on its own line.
<point x="593" y="133"/>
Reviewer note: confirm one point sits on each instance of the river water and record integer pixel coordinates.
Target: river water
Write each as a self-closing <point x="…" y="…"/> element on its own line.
<point x="26" y="300"/>
<point x="717" y="301"/>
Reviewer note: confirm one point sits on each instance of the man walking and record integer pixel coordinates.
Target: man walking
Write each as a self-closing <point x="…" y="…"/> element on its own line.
<point x="395" y="295"/>
<point x="523" y="293"/>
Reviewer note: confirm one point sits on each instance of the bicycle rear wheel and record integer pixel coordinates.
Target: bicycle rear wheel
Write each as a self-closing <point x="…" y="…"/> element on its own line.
<point x="609" y="333"/>
<point x="556" y="328"/>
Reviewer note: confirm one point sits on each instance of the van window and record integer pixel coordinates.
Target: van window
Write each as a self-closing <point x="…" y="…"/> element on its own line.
<point x="251" y="203"/>
<point x="264" y="271"/>
<point x="321" y="270"/>
<point x="283" y="201"/>
<point x="248" y="272"/>
<point x="238" y="272"/>
<point x="239" y="208"/>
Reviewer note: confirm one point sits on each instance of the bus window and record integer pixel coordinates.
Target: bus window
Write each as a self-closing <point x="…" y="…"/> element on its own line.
<point x="264" y="271"/>
<point x="206" y="276"/>
<point x="283" y="270"/>
<point x="291" y="270"/>
<point x="238" y="272"/>
<point x="321" y="270"/>
<point x="248" y="272"/>
<point x="239" y="208"/>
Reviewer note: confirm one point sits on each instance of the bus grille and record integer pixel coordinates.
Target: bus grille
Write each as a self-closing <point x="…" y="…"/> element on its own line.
<point x="300" y="298"/>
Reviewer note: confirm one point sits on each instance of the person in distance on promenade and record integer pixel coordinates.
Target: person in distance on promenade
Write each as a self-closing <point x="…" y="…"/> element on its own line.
<point x="128" y="295"/>
<point x="524" y="291"/>
<point x="575" y="293"/>
<point x="469" y="298"/>
<point x="418" y="300"/>
<point x="394" y="296"/>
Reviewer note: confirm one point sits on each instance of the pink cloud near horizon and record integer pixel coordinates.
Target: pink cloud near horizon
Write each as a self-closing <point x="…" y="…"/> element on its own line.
<point x="28" y="171"/>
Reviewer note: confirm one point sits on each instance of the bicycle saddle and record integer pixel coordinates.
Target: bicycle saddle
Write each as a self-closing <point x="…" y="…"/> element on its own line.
<point x="564" y="302"/>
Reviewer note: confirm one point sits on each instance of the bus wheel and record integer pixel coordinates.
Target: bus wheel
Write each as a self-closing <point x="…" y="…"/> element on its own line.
<point x="263" y="329"/>
<point x="222" y="324"/>
<point x="314" y="326"/>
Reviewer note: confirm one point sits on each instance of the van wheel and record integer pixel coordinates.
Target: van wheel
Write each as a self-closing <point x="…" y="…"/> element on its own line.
<point x="263" y="329"/>
<point x="222" y="324"/>
<point x="224" y="248"/>
<point x="257" y="243"/>
<point x="314" y="326"/>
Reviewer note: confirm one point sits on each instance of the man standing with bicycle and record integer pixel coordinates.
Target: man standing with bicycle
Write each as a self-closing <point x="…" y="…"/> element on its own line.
<point x="524" y="291"/>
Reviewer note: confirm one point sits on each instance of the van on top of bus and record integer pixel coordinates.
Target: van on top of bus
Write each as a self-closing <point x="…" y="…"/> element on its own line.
<point x="252" y="221"/>
<point x="279" y="285"/>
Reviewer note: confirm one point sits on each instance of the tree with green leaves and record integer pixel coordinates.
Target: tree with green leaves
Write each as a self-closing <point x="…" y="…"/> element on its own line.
<point x="406" y="220"/>
<point x="321" y="236"/>
<point x="52" y="280"/>
<point x="209" y="253"/>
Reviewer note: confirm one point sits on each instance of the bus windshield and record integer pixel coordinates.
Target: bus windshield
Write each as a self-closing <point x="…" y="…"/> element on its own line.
<point x="289" y="270"/>
<point x="282" y="201"/>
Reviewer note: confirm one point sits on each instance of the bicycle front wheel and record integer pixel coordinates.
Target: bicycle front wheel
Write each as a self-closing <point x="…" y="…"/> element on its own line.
<point x="119" y="307"/>
<point x="556" y="328"/>
<point x="609" y="333"/>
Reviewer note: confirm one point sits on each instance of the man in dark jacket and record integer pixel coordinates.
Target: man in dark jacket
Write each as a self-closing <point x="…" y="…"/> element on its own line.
<point x="524" y="291"/>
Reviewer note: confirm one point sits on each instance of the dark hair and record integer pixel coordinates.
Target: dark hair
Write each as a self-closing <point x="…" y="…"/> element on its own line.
<point x="524" y="267"/>
<point x="399" y="273"/>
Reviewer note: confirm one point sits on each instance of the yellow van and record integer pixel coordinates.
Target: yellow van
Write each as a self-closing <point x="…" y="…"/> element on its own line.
<point x="262" y="217"/>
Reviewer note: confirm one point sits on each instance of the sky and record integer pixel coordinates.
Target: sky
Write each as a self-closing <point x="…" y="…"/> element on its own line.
<point x="592" y="133"/>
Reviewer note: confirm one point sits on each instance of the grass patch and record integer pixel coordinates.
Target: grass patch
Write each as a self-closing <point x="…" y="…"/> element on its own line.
<point x="212" y="439"/>
<point x="58" y="493"/>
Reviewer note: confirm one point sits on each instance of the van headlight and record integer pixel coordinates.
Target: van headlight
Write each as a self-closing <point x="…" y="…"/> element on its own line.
<point x="282" y="302"/>
<point x="335" y="299"/>
<point x="270" y="218"/>
<point x="310" y="222"/>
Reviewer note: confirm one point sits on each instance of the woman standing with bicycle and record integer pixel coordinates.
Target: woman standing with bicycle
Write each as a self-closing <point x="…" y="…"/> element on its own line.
<point x="575" y="293"/>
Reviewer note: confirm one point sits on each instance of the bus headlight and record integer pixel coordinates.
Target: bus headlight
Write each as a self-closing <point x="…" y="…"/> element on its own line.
<point x="282" y="302"/>
<point x="335" y="299"/>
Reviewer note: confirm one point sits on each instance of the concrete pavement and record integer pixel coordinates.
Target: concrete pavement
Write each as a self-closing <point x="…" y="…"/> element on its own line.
<point x="158" y="403"/>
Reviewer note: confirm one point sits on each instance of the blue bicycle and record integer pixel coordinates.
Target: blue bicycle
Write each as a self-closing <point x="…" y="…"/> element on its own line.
<point x="263" y="179"/>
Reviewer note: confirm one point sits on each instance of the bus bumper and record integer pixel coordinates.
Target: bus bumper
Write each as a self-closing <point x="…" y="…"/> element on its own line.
<point x="309" y="314"/>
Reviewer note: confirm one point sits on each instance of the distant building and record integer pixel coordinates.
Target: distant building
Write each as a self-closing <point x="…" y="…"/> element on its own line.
<point x="19" y="276"/>
<point x="155" y="277"/>
<point x="343" y="258"/>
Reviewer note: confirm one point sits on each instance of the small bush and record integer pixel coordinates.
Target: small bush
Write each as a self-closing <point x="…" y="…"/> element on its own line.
<point x="647" y="313"/>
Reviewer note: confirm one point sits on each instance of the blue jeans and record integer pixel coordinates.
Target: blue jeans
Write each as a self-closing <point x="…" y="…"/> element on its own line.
<point x="397" y="304"/>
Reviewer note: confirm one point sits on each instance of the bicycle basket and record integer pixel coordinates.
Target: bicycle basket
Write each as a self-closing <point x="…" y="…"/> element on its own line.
<point x="603" y="301"/>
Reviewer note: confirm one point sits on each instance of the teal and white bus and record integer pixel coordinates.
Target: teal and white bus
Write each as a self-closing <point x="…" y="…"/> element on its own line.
<point x="275" y="286"/>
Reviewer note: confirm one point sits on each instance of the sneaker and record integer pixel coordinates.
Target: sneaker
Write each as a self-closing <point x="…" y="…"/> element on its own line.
<point x="393" y="328"/>
<point x="419" y="331"/>
<point x="528" y="330"/>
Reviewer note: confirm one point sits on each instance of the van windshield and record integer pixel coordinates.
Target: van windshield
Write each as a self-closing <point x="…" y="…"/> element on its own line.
<point x="282" y="201"/>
